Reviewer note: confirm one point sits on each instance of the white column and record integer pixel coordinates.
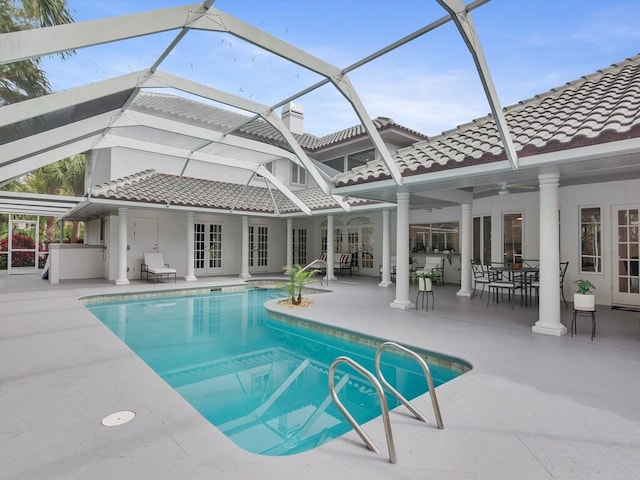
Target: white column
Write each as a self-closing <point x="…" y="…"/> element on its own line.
<point x="245" y="248"/>
<point x="190" y="276"/>
<point x="466" y="229"/>
<point x="330" y="241"/>
<point x="386" y="249"/>
<point x="289" y="244"/>
<point x="122" y="247"/>
<point x="549" y="310"/>
<point x="402" y="301"/>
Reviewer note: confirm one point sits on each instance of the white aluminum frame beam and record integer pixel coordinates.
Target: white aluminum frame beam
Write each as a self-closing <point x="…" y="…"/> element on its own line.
<point x="34" y="107"/>
<point x="135" y="118"/>
<point x="221" y="22"/>
<point x="462" y="18"/>
<point x="261" y="170"/>
<point x="37" y="42"/>
<point x="50" y="139"/>
<point x="16" y="169"/>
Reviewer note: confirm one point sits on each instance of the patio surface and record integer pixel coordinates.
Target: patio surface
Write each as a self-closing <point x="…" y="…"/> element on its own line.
<point x="532" y="407"/>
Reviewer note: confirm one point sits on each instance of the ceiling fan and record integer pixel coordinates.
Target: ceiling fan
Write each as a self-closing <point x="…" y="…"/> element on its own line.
<point x="504" y="188"/>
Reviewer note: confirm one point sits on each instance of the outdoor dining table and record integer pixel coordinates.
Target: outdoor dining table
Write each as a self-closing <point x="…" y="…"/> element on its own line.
<point x="527" y="275"/>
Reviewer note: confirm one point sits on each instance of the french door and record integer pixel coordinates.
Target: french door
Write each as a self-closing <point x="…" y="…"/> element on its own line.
<point x="360" y="235"/>
<point x="626" y="240"/>
<point x="299" y="246"/>
<point x="207" y="248"/>
<point x="258" y="248"/>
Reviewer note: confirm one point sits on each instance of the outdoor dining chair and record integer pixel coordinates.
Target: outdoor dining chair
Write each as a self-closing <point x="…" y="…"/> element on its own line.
<point x="480" y="276"/>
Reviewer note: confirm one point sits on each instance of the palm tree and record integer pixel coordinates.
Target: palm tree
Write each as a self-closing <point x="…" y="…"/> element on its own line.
<point x="298" y="278"/>
<point x="24" y="79"/>
<point x="65" y="177"/>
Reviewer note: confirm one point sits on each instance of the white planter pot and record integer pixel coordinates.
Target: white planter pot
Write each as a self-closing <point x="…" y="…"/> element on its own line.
<point x="425" y="284"/>
<point x="584" y="301"/>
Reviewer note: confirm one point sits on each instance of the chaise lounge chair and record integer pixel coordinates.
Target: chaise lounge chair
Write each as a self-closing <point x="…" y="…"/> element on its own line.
<point x="154" y="265"/>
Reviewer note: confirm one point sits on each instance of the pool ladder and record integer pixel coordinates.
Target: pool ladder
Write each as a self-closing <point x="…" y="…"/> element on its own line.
<point x="383" y="401"/>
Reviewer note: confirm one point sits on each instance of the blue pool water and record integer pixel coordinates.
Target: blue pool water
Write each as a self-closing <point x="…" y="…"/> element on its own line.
<point x="262" y="381"/>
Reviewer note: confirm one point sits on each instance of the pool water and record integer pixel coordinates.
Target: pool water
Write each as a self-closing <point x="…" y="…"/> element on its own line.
<point x="261" y="381"/>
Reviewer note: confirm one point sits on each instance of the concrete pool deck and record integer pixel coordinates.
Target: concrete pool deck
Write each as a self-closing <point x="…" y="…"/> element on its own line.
<point x="533" y="407"/>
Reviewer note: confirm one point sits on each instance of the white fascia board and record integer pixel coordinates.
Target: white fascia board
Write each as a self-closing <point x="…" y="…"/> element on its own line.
<point x="26" y="165"/>
<point x="277" y="122"/>
<point x="283" y="188"/>
<point x="55" y="137"/>
<point x="33" y="210"/>
<point x="111" y="141"/>
<point x="131" y="117"/>
<point x="28" y="197"/>
<point x="33" y="107"/>
<point x="38" y="42"/>
<point x="345" y="87"/>
<point x="219" y="21"/>
<point x="461" y="16"/>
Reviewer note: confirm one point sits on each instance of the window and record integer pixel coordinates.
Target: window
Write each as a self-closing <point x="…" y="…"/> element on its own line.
<point x="512" y="228"/>
<point x="360" y="158"/>
<point x="348" y="162"/>
<point x="336" y="163"/>
<point x="482" y="239"/>
<point x="590" y="239"/>
<point x="298" y="174"/>
<point x="432" y="237"/>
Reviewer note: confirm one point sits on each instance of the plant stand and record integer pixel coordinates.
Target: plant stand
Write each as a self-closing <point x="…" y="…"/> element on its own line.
<point x="576" y="312"/>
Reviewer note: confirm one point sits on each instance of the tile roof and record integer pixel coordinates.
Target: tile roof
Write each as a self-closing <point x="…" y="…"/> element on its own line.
<point x="597" y="108"/>
<point x="207" y="116"/>
<point x="151" y="187"/>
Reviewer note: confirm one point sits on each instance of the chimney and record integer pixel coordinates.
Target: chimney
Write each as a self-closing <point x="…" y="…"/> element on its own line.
<point x="293" y="116"/>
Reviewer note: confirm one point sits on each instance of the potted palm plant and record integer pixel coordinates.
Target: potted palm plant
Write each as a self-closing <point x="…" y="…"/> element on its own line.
<point x="584" y="299"/>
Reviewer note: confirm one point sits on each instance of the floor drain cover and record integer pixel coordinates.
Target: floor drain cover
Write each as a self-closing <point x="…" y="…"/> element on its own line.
<point x="118" y="418"/>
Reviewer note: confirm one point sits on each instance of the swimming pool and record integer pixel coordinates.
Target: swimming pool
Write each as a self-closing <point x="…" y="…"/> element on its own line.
<point x="263" y="381"/>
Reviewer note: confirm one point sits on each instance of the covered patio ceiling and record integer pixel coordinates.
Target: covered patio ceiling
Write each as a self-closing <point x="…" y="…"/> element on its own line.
<point x="103" y="114"/>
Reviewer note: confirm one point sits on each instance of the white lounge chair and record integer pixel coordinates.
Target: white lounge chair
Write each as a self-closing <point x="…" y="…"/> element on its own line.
<point x="154" y="265"/>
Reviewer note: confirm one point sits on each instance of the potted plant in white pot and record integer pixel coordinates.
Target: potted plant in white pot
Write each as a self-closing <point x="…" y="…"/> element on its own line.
<point x="424" y="280"/>
<point x="584" y="299"/>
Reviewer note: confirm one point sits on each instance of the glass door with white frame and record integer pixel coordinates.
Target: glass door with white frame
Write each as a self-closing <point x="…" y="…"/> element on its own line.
<point x="360" y="235"/>
<point x="299" y="246"/>
<point x="258" y="248"/>
<point x="626" y="278"/>
<point x="207" y="248"/>
<point x="22" y="243"/>
<point x="512" y="238"/>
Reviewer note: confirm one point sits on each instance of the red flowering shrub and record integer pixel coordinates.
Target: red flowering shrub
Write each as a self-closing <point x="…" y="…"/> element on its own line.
<point x="18" y="259"/>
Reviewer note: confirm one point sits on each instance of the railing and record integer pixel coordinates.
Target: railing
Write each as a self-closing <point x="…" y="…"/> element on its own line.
<point x="383" y="401"/>
<point x="383" y="406"/>
<point x="427" y="374"/>
<point x="321" y="264"/>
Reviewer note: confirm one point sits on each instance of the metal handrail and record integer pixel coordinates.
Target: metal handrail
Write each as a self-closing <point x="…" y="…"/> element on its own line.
<point x="314" y="262"/>
<point x="383" y="405"/>
<point x="398" y="395"/>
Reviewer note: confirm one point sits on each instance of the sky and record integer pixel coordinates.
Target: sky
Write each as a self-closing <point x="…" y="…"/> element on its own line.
<point x="429" y="85"/>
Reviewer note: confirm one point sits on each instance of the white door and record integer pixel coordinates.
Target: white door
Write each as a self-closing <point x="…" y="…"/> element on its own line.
<point x="300" y="246"/>
<point x="145" y="240"/>
<point x="258" y="248"/>
<point x="360" y="244"/>
<point x="22" y="246"/>
<point x="626" y="241"/>
<point x="207" y="243"/>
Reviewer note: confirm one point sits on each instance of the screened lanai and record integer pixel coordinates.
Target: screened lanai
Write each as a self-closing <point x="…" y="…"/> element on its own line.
<point x="237" y="131"/>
